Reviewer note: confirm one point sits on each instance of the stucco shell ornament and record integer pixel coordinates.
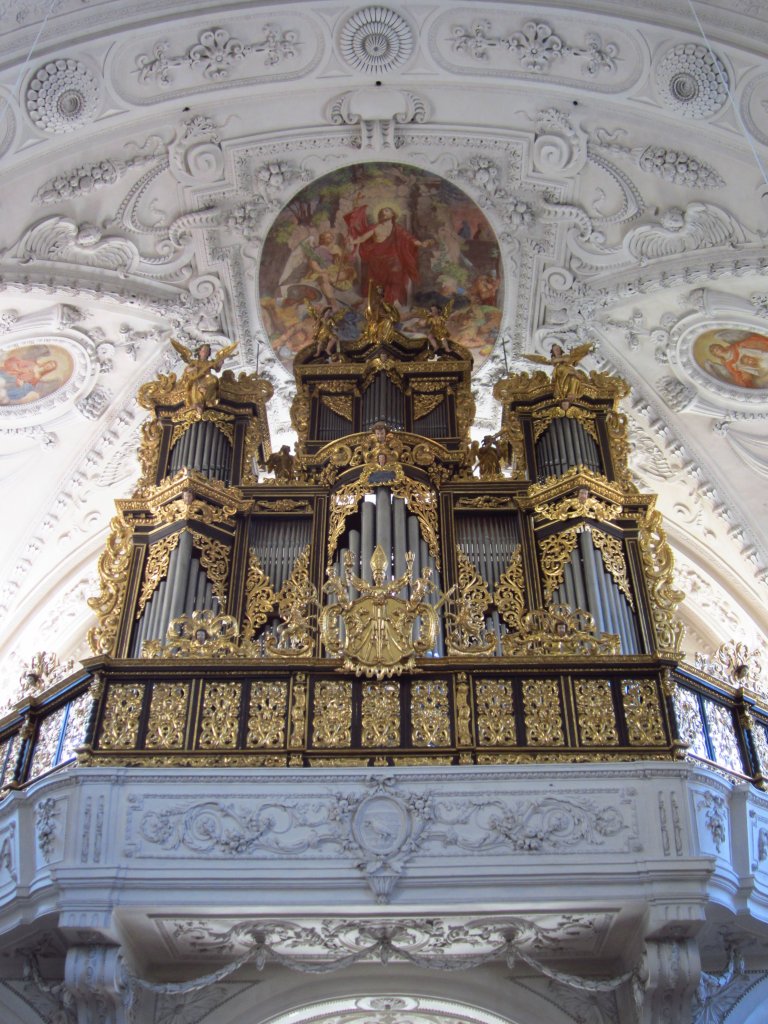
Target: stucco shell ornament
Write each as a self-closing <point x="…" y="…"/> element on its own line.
<point x="375" y="39"/>
<point x="692" y="80"/>
<point x="62" y="96"/>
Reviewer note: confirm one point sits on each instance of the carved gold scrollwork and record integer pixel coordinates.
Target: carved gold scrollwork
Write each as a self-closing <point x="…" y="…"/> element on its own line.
<point x="616" y="425"/>
<point x="559" y="630"/>
<point x="267" y="714"/>
<point x="463" y="711"/>
<point x="221" y="713"/>
<point x="186" y="419"/>
<point x="595" y="712"/>
<point x="298" y="711"/>
<point x="259" y="598"/>
<point x="430" y="720"/>
<point x="113" y="575"/>
<point x="342" y="405"/>
<point x="332" y="714"/>
<point x="495" y="713"/>
<point x="254" y="436"/>
<point x="576" y="506"/>
<point x="642" y="711"/>
<point x="466" y="606"/>
<point x="612" y="550"/>
<point x="167" y="716"/>
<point x="484" y="501"/>
<point x="214" y="558"/>
<point x="555" y="552"/>
<point x="120" y="721"/>
<point x="199" y="635"/>
<point x="381" y="715"/>
<point x="543" y="715"/>
<point x="297" y="605"/>
<point x="156" y="567"/>
<point x="510" y="591"/>
<point x="424" y="404"/>
<point x="149" y="453"/>
<point x="658" y="563"/>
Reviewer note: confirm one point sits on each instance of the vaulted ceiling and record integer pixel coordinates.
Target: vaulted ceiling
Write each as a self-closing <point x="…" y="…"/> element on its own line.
<point x="618" y="152"/>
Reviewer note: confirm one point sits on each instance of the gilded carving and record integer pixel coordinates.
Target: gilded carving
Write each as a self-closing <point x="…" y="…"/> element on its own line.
<point x="120" y="721"/>
<point x="484" y="501"/>
<point x="156" y="567"/>
<point x="221" y="712"/>
<point x="378" y="637"/>
<point x="463" y="711"/>
<point x="254" y="438"/>
<point x="381" y="715"/>
<point x="583" y="504"/>
<point x="425" y="404"/>
<point x="495" y="708"/>
<point x="167" y="715"/>
<point x="510" y="591"/>
<point x="282" y="505"/>
<point x="658" y="563"/>
<point x="612" y="550"/>
<point x="543" y="715"/>
<point x="466" y="605"/>
<point x="298" y="711"/>
<point x="149" y="453"/>
<point x="203" y="634"/>
<point x="214" y="558"/>
<point x="342" y="405"/>
<point x="259" y="598"/>
<point x="555" y="552"/>
<point x="183" y="421"/>
<point x="430" y="719"/>
<point x="595" y="712"/>
<point x="267" y="713"/>
<point x="642" y="711"/>
<point x="557" y="630"/>
<point x="690" y="724"/>
<point x="113" y="574"/>
<point x="616" y="424"/>
<point x="297" y="605"/>
<point x="332" y="714"/>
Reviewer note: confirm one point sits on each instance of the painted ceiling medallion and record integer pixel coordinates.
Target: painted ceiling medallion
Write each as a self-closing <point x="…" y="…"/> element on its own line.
<point x="62" y="96"/>
<point x="375" y="39"/>
<point x="692" y="80"/>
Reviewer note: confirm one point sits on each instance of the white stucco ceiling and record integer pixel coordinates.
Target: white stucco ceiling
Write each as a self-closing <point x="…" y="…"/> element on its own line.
<point x="618" y="150"/>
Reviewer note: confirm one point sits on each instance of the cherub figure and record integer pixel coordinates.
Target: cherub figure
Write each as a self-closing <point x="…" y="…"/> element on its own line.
<point x="568" y="381"/>
<point x="435" y="320"/>
<point x="326" y="330"/>
<point x="201" y="387"/>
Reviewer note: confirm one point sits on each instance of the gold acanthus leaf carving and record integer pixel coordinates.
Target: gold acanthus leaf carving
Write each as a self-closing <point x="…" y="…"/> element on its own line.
<point x="113" y="575"/>
<point x="149" y="452"/>
<point x="214" y="558"/>
<point x="466" y="605"/>
<point x="184" y="420"/>
<point x="297" y="605"/>
<point x="484" y="501"/>
<point x="156" y="567"/>
<point x="544" y="417"/>
<point x="555" y="552"/>
<point x="659" y="566"/>
<point x="612" y="550"/>
<point x="259" y="598"/>
<point x="202" y="634"/>
<point x="557" y="630"/>
<point x="424" y="404"/>
<point x="342" y="405"/>
<point x="282" y="505"/>
<point x="253" y="439"/>
<point x="510" y="591"/>
<point x="576" y="506"/>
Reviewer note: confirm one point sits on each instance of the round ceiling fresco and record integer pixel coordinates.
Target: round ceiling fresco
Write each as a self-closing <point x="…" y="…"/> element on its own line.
<point x="409" y="231"/>
<point x="31" y="372"/>
<point x="735" y="357"/>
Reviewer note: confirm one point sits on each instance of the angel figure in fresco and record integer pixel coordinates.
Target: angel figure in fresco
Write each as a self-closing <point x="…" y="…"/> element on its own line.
<point x="567" y="379"/>
<point x="435" y="320"/>
<point x="201" y="387"/>
<point x="326" y="330"/>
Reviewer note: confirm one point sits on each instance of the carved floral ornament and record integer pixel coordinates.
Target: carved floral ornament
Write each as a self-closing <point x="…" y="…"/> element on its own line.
<point x="375" y="40"/>
<point x="62" y="96"/>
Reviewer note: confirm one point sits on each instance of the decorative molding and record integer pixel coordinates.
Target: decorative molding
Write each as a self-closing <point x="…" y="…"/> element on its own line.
<point x="375" y="40"/>
<point x="62" y="96"/>
<point x="692" y="80"/>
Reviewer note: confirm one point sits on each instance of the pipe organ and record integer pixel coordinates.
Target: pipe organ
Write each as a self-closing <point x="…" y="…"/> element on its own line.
<point x="391" y="592"/>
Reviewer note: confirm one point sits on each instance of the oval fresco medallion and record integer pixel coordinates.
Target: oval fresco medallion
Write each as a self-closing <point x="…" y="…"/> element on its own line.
<point x="32" y="372"/>
<point x="418" y="236"/>
<point x="733" y="356"/>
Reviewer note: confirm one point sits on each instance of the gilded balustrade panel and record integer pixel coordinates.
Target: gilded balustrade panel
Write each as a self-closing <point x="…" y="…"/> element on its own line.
<point x="332" y="714"/>
<point x="495" y="707"/>
<point x="690" y="723"/>
<point x="47" y="742"/>
<point x="221" y="712"/>
<point x="381" y="714"/>
<point x="77" y="723"/>
<point x="267" y="714"/>
<point x="120" y="721"/>
<point x="543" y="713"/>
<point x="430" y="716"/>
<point x="167" y="716"/>
<point x="642" y="711"/>
<point x="722" y="735"/>
<point x="596" y="715"/>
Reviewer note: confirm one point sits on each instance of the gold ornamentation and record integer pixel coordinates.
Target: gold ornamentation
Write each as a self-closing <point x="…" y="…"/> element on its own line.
<point x="300" y="409"/>
<point x="120" y="721"/>
<point x="424" y="404"/>
<point x="298" y="711"/>
<point x="342" y="405"/>
<point x="555" y="552"/>
<point x="378" y="626"/>
<point x="575" y="506"/>
<point x="495" y="713"/>
<point x="510" y="590"/>
<point x="46" y="743"/>
<point x="156" y="567"/>
<point x="466" y="606"/>
<point x="381" y="715"/>
<point x="332" y="714"/>
<point x="199" y="635"/>
<point x="612" y="550"/>
<point x="430" y="722"/>
<point x="167" y="715"/>
<point x="259" y="598"/>
<point x="149" y="452"/>
<point x="221" y="420"/>
<point x="659" y="566"/>
<point x="113" y="574"/>
<point x="255" y="437"/>
<point x="214" y="558"/>
<point x="221" y="713"/>
<point x="559" y="630"/>
<point x="282" y="505"/>
<point x="267" y="714"/>
<point x="595" y="712"/>
<point x="616" y="425"/>
<point x="643" y="713"/>
<point x="543" y="717"/>
<point x="463" y="711"/>
<point x="484" y="501"/>
<point x="297" y="605"/>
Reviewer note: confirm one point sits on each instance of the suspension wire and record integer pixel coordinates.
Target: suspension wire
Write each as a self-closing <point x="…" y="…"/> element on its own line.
<point x="726" y="85"/>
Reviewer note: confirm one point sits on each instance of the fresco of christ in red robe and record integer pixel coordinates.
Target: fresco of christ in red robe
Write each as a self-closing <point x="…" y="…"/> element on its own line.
<point x="388" y="252"/>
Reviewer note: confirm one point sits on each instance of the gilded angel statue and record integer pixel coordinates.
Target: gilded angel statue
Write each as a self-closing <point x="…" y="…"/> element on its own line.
<point x="567" y="379"/>
<point x="201" y="387"/>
